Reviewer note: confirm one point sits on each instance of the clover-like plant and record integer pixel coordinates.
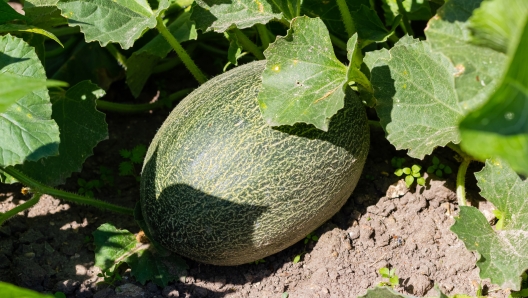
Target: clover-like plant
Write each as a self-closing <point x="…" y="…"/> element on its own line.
<point x="438" y="168"/>
<point x="411" y="174"/>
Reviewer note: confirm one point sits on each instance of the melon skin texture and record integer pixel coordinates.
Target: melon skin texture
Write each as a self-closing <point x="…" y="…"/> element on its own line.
<point x="220" y="186"/>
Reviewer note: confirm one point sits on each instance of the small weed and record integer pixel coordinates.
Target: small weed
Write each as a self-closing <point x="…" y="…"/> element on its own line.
<point x="134" y="156"/>
<point x="393" y="279"/>
<point x="438" y="168"/>
<point x="411" y="174"/>
<point x="259" y="261"/>
<point x="310" y="237"/>
<point x="106" y="175"/>
<point x="87" y="187"/>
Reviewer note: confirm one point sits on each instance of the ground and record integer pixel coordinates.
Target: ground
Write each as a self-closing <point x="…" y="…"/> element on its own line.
<point x="383" y="224"/>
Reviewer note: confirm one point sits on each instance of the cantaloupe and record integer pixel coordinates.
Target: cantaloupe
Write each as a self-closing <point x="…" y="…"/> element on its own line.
<point x="222" y="187"/>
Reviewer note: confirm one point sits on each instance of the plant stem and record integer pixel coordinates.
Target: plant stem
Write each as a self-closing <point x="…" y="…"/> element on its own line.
<point x="461" y="182"/>
<point x="30" y="203"/>
<point x="212" y="49"/>
<point x="120" y="58"/>
<point x="41" y="188"/>
<point x="59" y="50"/>
<point x="338" y="42"/>
<point x="138" y="108"/>
<point x="248" y="45"/>
<point x="186" y="59"/>
<point x="63" y="31"/>
<point x="264" y="35"/>
<point x="347" y="18"/>
<point x="405" y="18"/>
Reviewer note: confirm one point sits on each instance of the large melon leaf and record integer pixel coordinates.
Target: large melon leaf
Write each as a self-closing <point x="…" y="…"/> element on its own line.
<point x="478" y="69"/>
<point x="121" y="21"/>
<point x="503" y="250"/>
<point x="81" y="128"/>
<point x="416" y="98"/>
<point x="220" y="15"/>
<point x="496" y="23"/>
<point x="27" y="132"/>
<point x="14" y="87"/>
<point x="383" y="292"/>
<point x="43" y="13"/>
<point x="303" y="80"/>
<point x="502" y="123"/>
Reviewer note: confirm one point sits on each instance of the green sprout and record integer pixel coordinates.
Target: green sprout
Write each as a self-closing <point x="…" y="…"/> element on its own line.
<point x="309" y="238"/>
<point x="87" y="187"/>
<point x="439" y="169"/>
<point x="259" y="261"/>
<point x="134" y="156"/>
<point x="106" y="175"/>
<point x="393" y="279"/>
<point x="411" y="174"/>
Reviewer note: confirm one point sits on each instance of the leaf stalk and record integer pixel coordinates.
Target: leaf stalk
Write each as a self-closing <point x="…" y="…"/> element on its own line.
<point x="22" y="207"/>
<point x="180" y="51"/>
<point x="347" y="18"/>
<point x="248" y="45"/>
<point x="44" y="189"/>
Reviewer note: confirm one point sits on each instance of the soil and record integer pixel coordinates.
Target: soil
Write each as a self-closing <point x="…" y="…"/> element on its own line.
<point x="383" y="224"/>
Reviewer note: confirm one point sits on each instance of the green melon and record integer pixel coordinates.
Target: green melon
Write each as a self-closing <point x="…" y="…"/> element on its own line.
<point x="222" y="187"/>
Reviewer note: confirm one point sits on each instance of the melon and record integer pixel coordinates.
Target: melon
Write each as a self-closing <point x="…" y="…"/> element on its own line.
<point x="220" y="186"/>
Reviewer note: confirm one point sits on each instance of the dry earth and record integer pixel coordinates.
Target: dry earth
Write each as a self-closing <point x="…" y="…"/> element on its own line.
<point x="49" y="247"/>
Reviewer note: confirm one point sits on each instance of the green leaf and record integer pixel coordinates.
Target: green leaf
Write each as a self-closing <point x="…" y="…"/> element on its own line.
<point x="431" y="169"/>
<point x="142" y="62"/>
<point x="369" y="25"/>
<point x="416" y="169"/>
<point x="436" y="161"/>
<point x="121" y="21"/>
<point x="296" y="259"/>
<point x="125" y="153"/>
<point x="303" y="80"/>
<point x="9" y="290"/>
<point x="409" y="180"/>
<point x="138" y="153"/>
<point x="14" y="87"/>
<point x="7" y="13"/>
<point x="417" y="102"/>
<point x="112" y="246"/>
<point x="328" y="11"/>
<point x="43" y="13"/>
<point x="96" y="63"/>
<point x="504" y="253"/>
<point x="81" y="127"/>
<point x="28" y="28"/>
<point x="501" y="123"/>
<point x="27" y="132"/>
<point x="421" y="181"/>
<point x="220" y="16"/>
<point x="439" y="173"/>
<point x="81" y="182"/>
<point x="126" y="168"/>
<point x="496" y="23"/>
<point x="477" y="69"/>
<point x="145" y="266"/>
<point x="407" y="171"/>
<point x="398" y="172"/>
<point x="383" y="292"/>
<point x="415" y="10"/>
<point x="448" y="170"/>
<point x="394" y="280"/>
<point x="384" y="272"/>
